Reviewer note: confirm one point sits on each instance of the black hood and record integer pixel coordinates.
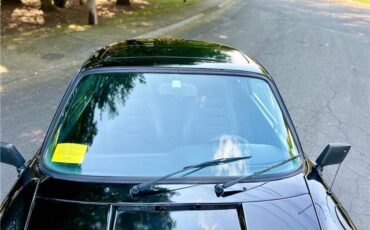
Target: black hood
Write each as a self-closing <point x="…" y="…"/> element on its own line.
<point x="281" y="204"/>
<point x="291" y="213"/>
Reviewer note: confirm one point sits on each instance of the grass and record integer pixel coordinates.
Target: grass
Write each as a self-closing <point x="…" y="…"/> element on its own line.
<point x="362" y="1"/>
<point x="144" y="14"/>
<point x="29" y="17"/>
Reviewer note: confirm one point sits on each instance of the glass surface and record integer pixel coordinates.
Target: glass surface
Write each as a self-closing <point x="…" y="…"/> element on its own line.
<point x="146" y="125"/>
<point x="204" y="219"/>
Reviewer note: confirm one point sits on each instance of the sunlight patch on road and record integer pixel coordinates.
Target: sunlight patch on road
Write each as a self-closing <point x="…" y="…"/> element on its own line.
<point x="223" y="36"/>
<point x="77" y="28"/>
<point x="3" y="69"/>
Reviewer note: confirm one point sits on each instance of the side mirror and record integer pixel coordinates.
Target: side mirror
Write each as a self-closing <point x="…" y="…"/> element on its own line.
<point x="9" y="154"/>
<point x="334" y="153"/>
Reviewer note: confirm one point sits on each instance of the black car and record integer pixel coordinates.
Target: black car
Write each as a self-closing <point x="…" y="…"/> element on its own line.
<point x="172" y="134"/>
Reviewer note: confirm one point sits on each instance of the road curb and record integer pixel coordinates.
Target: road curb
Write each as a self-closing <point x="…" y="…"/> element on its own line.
<point x="187" y="21"/>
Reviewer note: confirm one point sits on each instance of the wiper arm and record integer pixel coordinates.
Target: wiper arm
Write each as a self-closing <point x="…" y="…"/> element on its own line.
<point x="219" y="188"/>
<point x="137" y="189"/>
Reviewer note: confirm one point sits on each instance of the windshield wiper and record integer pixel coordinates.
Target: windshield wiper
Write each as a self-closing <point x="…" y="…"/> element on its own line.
<point x="137" y="189"/>
<point x="220" y="188"/>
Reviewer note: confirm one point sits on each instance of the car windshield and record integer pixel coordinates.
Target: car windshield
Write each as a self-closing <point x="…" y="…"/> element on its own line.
<point x="151" y="124"/>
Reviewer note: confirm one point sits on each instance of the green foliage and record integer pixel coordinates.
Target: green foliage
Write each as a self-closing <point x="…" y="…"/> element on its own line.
<point x="363" y="1"/>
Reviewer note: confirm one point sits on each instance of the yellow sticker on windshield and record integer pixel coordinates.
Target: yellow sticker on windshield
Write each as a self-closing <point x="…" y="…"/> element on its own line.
<point x="69" y="153"/>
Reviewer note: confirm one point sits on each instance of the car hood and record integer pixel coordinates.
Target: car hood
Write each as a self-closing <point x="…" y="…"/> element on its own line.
<point x="282" y="204"/>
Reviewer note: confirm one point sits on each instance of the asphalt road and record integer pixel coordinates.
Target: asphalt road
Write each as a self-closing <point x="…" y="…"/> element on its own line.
<point x="319" y="55"/>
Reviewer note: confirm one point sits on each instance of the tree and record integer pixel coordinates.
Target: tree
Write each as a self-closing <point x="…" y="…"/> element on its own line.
<point x="60" y="3"/>
<point x="123" y="2"/>
<point x="93" y="17"/>
<point x="11" y="2"/>
<point x="47" y="5"/>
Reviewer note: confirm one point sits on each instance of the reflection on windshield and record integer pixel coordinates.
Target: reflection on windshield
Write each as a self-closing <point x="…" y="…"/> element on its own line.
<point x="103" y="96"/>
<point x="230" y="147"/>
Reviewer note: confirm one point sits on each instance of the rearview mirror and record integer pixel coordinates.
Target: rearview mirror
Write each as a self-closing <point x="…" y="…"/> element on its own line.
<point x="334" y="153"/>
<point x="178" y="88"/>
<point x="10" y="155"/>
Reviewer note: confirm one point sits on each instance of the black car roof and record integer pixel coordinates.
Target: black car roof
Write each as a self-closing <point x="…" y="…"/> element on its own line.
<point x="172" y="53"/>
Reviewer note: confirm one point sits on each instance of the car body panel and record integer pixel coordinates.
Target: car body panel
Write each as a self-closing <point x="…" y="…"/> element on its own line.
<point x="178" y="193"/>
<point x="172" y="53"/>
<point x="15" y="207"/>
<point x="290" y="213"/>
<point x="326" y="203"/>
<point x="276" y="201"/>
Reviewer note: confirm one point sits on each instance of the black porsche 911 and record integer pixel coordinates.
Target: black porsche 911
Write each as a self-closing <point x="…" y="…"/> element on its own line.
<point x="172" y="134"/>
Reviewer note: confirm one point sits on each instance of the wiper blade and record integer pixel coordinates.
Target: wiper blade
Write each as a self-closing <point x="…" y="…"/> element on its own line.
<point x="137" y="189"/>
<point x="220" y="188"/>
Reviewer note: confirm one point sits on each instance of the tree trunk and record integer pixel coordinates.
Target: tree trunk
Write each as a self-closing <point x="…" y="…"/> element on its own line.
<point x="60" y="3"/>
<point x="123" y="2"/>
<point x="47" y="5"/>
<point x="11" y="2"/>
<point x="93" y="17"/>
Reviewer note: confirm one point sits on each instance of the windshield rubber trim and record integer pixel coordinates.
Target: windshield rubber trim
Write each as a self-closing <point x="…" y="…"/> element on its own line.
<point x="165" y="70"/>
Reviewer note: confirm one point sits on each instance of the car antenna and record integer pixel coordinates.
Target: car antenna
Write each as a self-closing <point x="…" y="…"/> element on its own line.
<point x="330" y="192"/>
